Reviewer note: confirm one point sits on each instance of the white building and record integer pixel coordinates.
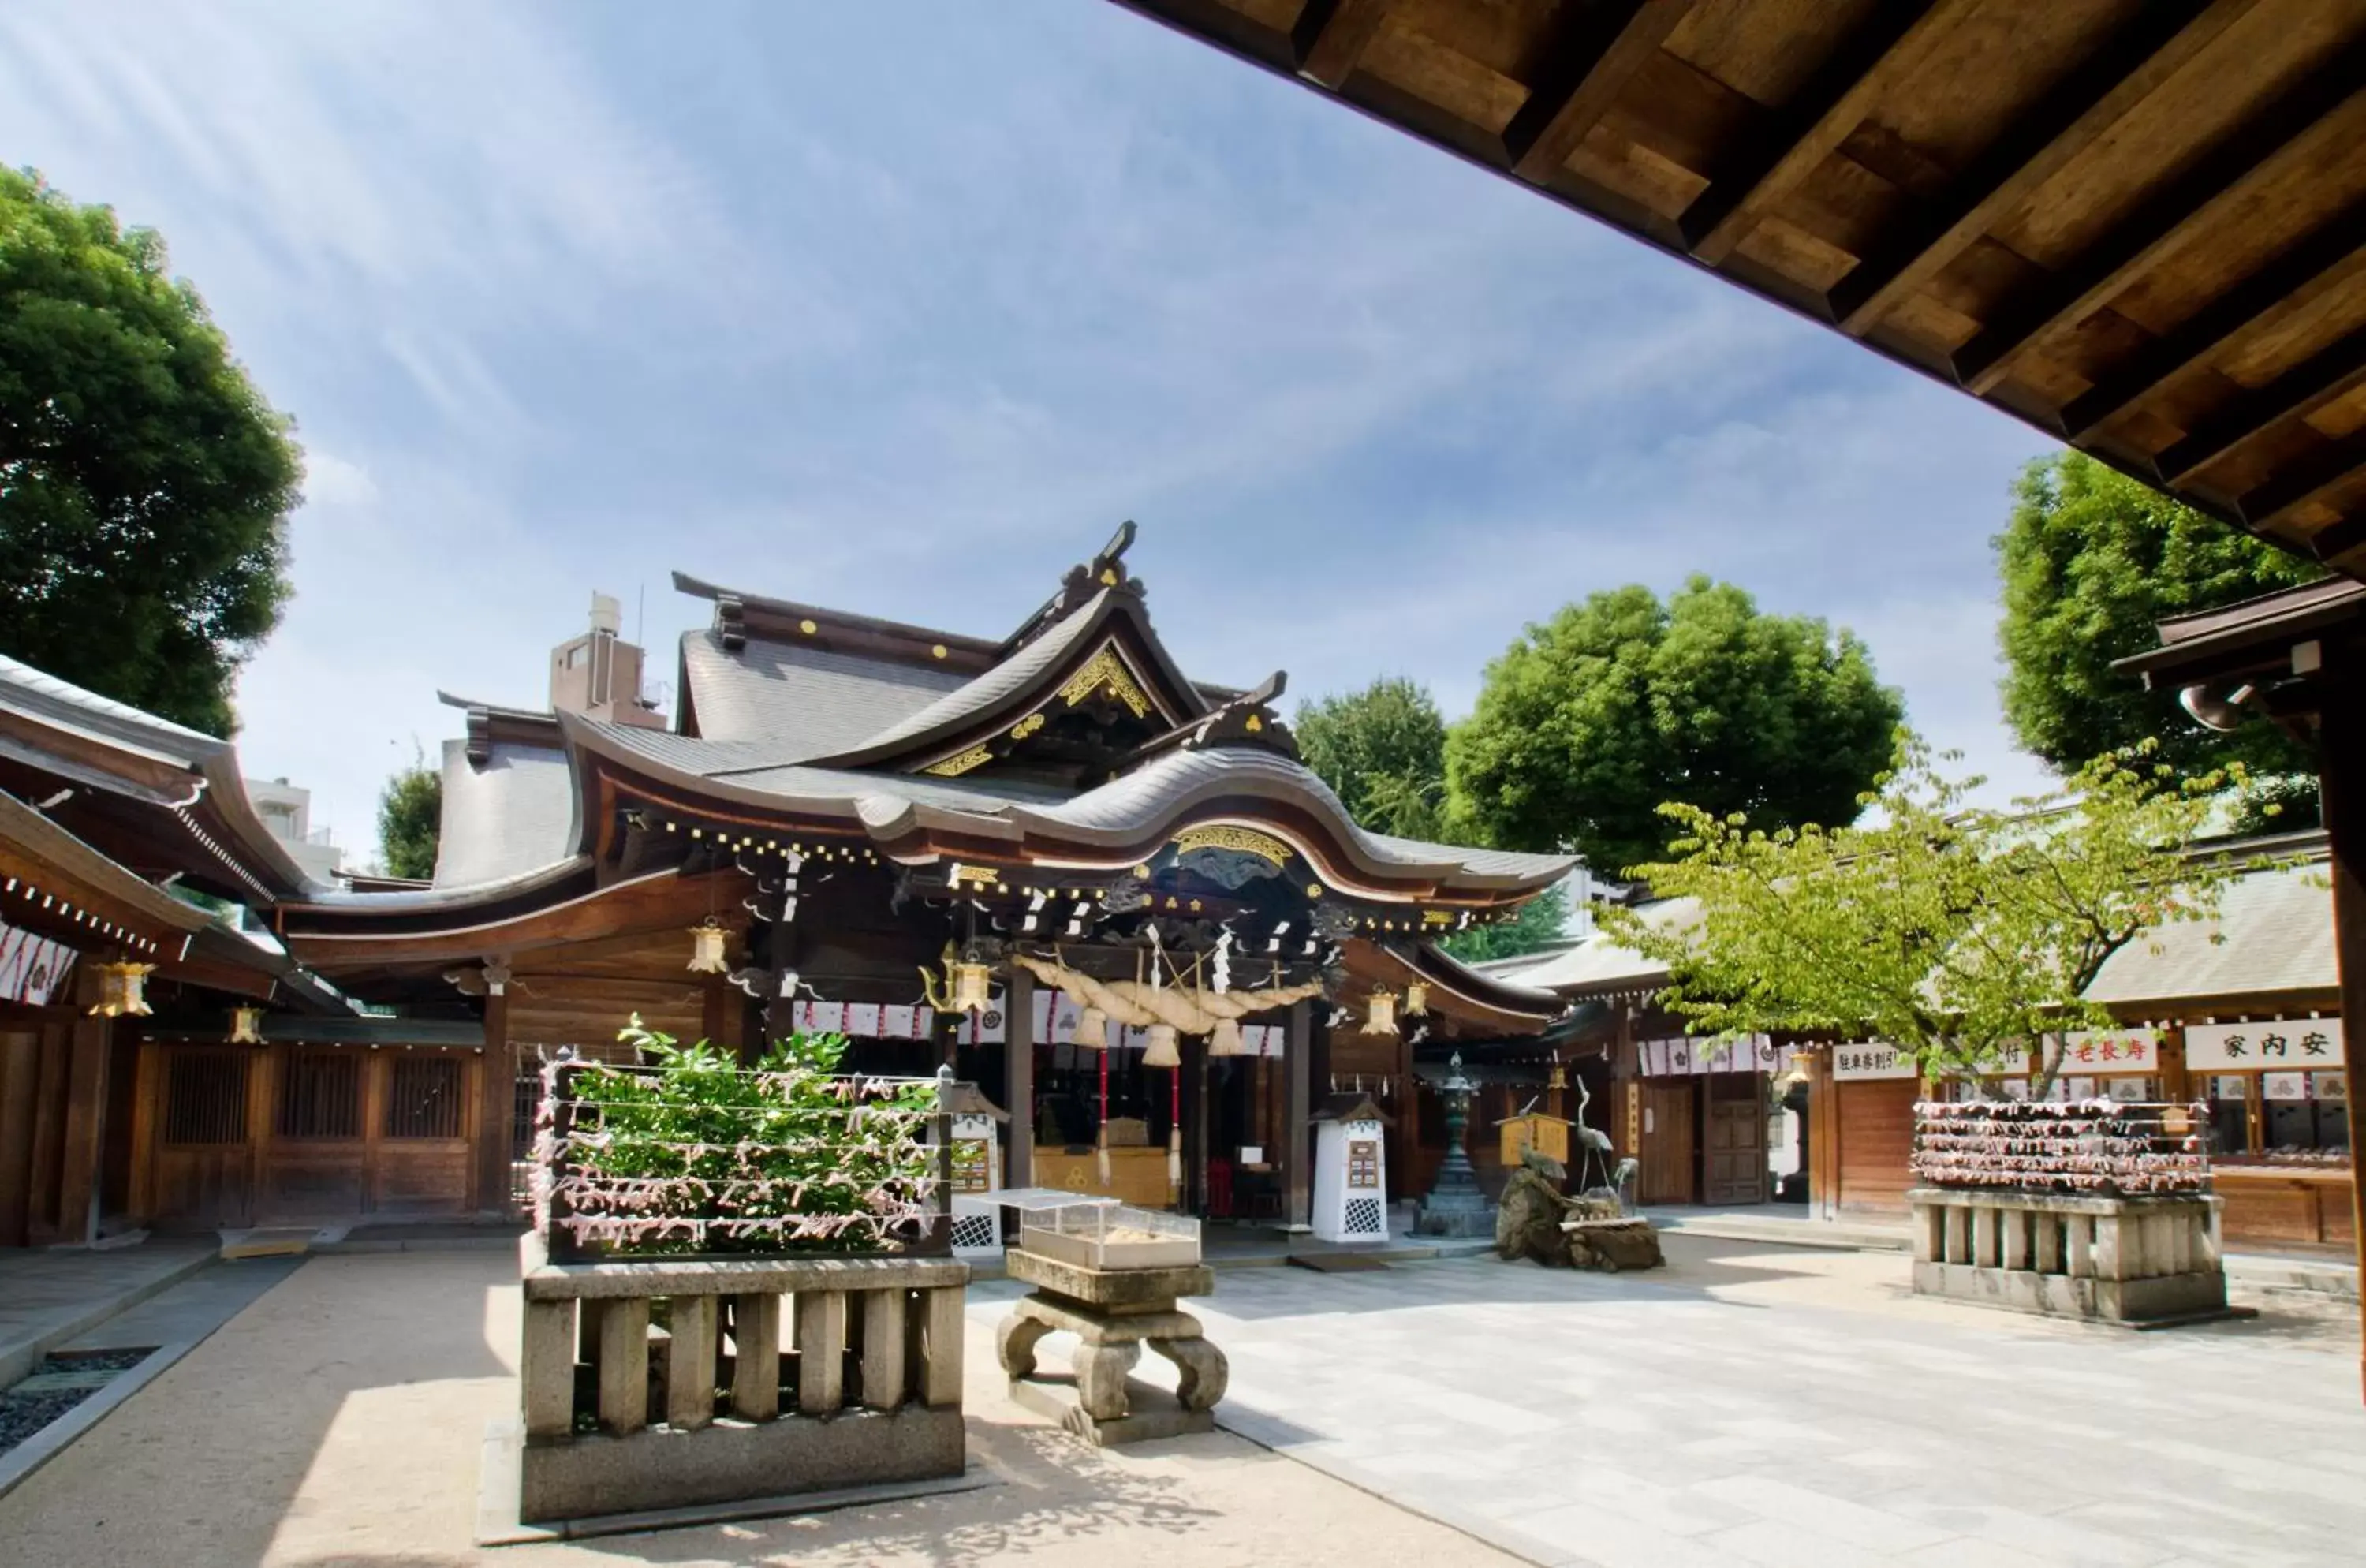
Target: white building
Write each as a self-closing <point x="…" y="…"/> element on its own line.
<point x="287" y="810"/>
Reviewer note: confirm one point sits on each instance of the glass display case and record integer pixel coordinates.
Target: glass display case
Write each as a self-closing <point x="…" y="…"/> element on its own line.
<point x="1110" y="1235"/>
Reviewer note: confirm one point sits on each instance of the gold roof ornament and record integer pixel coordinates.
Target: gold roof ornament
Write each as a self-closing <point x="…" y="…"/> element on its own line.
<point x="707" y="942"/>
<point x="123" y="990"/>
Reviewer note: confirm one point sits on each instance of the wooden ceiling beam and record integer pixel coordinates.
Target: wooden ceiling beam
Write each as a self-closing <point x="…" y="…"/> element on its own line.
<point x="2342" y="545"/>
<point x="2333" y="372"/>
<point x="2301" y="481"/>
<point x="1595" y="51"/>
<point x="1330" y="37"/>
<point x="2094" y="96"/>
<point x="2160" y="222"/>
<point x="2334" y="256"/>
<point x="1791" y="142"/>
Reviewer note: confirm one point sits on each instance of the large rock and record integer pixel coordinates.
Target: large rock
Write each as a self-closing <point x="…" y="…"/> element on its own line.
<point x="1527" y="1219"/>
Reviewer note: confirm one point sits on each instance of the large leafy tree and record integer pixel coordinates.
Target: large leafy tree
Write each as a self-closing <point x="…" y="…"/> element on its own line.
<point x="2092" y="559"/>
<point x="1962" y="935"/>
<point x="1592" y="719"/>
<point x="410" y="820"/>
<point x="144" y="482"/>
<point x="1382" y="749"/>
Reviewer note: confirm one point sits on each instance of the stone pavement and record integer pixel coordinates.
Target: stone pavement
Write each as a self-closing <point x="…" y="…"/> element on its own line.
<point x="1761" y="1405"/>
<point x="47" y="1295"/>
<point x="339" y="1420"/>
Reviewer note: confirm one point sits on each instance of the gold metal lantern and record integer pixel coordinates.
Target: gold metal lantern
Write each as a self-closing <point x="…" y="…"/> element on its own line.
<point x="246" y="1026"/>
<point x="123" y="988"/>
<point x="1416" y="998"/>
<point x="1381" y="1016"/>
<point x="707" y="956"/>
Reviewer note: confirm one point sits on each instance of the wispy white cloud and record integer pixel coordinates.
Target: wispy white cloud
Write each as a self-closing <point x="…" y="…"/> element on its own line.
<point x="905" y="313"/>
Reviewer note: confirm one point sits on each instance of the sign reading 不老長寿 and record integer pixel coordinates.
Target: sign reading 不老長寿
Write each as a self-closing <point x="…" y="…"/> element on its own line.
<point x="2099" y="1052"/>
<point x="2295" y="1044"/>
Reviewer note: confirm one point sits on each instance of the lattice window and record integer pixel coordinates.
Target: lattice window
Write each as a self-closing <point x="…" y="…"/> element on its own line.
<point x="320" y="1096"/>
<point x="976" y="1231"/>
<point x="1363" y="1217"/>
<point x="422" y="1098"/>
<point x="204" y="1097"/>
<point x="525" y="1099"/>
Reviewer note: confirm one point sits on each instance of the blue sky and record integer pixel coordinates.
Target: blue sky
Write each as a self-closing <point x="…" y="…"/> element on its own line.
<point x="901" y="309"/>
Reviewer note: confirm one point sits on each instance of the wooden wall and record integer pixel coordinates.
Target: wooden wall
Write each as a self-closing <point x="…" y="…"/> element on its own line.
<point x="53" y="1072"/>
<point x="227" y="1135"/>
<point x="1861" y="1135"/>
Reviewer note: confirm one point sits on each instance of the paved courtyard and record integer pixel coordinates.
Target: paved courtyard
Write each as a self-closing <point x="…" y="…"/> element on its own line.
<point x="1760" y="1404"/>
<point x="1752" y="1404"/>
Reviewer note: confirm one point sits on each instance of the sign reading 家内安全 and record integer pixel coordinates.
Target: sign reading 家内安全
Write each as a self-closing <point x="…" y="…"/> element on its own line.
<point x="2294" y="1045"/>
<point x="1871" y="1059"/>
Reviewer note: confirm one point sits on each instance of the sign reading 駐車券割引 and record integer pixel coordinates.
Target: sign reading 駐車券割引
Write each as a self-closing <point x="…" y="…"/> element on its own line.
<point x="2292" y="1044"/>
<point x="1871" y="1059"/>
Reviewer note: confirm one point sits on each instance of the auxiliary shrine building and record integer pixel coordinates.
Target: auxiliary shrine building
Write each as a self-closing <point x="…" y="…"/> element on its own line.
<point x="1108" y="895"/>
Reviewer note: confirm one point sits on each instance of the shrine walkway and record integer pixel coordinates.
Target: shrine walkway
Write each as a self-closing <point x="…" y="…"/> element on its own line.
<point x="1777" y="1405"/>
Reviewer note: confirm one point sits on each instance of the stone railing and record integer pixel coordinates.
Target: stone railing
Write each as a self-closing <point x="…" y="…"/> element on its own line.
<point x="2126" y="1259"/>
<point x="867" y="1390"/>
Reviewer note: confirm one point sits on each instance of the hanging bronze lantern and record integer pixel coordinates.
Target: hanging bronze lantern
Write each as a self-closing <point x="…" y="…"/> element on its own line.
<point x="972" y="987"/>
<point x="1380" y="1017"/>
<point x="1163" y="1051"/>
<point x="1224" y="1040"/>
<point x="123" y="989"/>
<point x="246" y="1026"/>
<point x="1090" y="1032"/>
<point x="1416" y="999"/>
<point x="707" y="956"/>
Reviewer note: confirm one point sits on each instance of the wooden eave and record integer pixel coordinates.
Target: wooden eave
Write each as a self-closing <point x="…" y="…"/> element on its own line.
<point x="567" y="914"/>
<point x="2139" y="228"/>
<point x="920" y="834"/>
<point x="1467" y="1003"/>
<point x="46" y="861"/>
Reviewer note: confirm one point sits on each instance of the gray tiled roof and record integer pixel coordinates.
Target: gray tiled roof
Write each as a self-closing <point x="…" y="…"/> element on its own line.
<point x="1598" y="963"/>
<point x="801" y="702"/>
<point x="511" y="814"/>
<point x="2277" y="928"/>
<point x="1006" y="678"/>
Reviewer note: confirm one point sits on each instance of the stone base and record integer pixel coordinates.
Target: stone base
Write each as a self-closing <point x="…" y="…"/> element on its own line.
<point x="572" y="1478"/>
<point x="1150" y="1412"/>
<point x="1459" y="1222"/>
<point x="2188" y="1298"/>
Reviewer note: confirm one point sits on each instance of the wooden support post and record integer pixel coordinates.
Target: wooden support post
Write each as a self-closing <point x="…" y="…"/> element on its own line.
<point x="49" y="1139"/>
<point x="689" y="1366"/>
<point x="821" y="1351"/>
<point x="496" y="1100"/>
<point x="2342" y="756"/>
<point x="1823" y="1137"/>
<point x="546" y="1369"/>
<point x="886" y="1370"/>
<point x="1019" y="1077"/>
<point x="756" y="1356"/>
<point x="625" y="1365"/>
<point x="86" y="1119"/>
<point x="1297" y="1119"/>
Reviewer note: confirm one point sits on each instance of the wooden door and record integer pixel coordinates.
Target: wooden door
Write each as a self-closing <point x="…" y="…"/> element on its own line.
<point x="1736" y="1162"/>
<point x="422" y="1118"/>
<point x="313" y="1159"/>
<point x="204" y="1160"/>
<point x="1874" y="1132"/>
<point x="1667" y="1161"/>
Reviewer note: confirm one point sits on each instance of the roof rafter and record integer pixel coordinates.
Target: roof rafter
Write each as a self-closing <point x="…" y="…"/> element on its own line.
<point x="2304" y="481"/>
<point x="1594" y="53"/>
<point x="1807" y="129"/>
<point x="2333" y="372"/>
<point x="2334" y="256"/>
<point x="1330" y="37"/>
<point x="2161" y="223"/>
<point x="2076" y="112"/>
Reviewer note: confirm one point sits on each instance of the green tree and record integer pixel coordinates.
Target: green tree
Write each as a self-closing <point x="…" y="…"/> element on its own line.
<point x="2092" y="560"/>
<point x="1961" y="935"/>
<point x="1594" y="717"/>
<point x="410" y="820"/>
<point x="144" y="482"/>
<point x="1542" y="921"/>
<point x="1382" y="749"/>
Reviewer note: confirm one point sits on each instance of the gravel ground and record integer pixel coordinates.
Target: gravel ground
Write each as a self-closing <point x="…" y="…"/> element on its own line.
<point x="22" y="1414"/>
